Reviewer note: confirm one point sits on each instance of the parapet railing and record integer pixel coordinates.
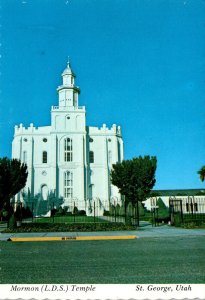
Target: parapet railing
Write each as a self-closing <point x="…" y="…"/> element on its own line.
<point x="67" y="107"/>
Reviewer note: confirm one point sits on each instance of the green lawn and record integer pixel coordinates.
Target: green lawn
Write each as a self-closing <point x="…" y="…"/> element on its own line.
<point x="144" y="260"/>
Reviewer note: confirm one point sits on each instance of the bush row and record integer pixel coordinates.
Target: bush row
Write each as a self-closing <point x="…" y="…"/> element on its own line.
<point x="64" y="212"/>
<point x="60" y="227"/>
<point x="189" y="224"/>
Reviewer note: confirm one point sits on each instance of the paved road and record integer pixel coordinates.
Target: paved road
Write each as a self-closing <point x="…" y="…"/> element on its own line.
<point x="143" y="232"/>
<point x="168" y="231"/>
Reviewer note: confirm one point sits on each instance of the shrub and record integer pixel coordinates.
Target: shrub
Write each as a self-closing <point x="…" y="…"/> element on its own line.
<point x="12" y="223"/>
<point x="68" y="213"/>
<point x="112" y="210"/>
<point x="53" y="212"/>
<point x="193" y="224"/>
<point x="201" y="193"/>
<point x="75" y="210"/>
<point x="129" y="220"/>
<point x="26" y="213"/>
<point x="163" y="219"/>
<point x="18" y="213"/>
<point x="163" y="210"/>
<point x="61" y="211"/>
<point x="4" y="215"/>
<point x="141" y="209"/>
<point x="177" y="219"/>
<point x="106" y="213"/>
<point x="81" y="213"/>
<point x="117" y="210"/>
<point x="59" y="227"/>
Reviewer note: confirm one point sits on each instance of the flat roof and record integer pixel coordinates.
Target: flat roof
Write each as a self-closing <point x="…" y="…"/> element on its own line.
<point x="179" y="192"/>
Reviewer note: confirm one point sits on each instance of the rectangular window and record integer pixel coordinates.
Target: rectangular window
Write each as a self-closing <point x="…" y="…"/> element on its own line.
<point x="68" y="150"/>
<point x="68" y="185"/>
<point x="91" y="157"/>
<point x="119" y="151"/>
<point x="44" y="158"/>
<point x="25" y="157"/>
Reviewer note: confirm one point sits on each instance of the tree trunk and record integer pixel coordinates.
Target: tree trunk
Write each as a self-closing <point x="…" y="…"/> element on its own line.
<point x="125" y="204"/>
<point x="138" y="216"/>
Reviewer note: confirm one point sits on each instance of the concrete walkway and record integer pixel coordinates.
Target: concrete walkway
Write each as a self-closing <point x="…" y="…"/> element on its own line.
<point x="143" y="232"/>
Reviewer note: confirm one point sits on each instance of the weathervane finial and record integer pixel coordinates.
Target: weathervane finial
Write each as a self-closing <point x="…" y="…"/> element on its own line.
<point x="68" y="62"/>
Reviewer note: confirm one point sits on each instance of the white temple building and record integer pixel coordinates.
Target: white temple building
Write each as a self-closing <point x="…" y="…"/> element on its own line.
<point x="68" y="158"/>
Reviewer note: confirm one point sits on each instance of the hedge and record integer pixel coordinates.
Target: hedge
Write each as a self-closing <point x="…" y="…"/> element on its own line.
<point x="60" y="227"/>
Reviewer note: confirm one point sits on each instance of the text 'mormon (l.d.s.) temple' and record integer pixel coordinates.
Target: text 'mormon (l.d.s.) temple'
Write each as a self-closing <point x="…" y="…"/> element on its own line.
<point x="68" y="158"/>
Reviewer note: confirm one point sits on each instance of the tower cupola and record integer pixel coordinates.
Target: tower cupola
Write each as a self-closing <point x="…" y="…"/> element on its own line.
<point x="68" y="92"/>
<point x="68" y="76"/>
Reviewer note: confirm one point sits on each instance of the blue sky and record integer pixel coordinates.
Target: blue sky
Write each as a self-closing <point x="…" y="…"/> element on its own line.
<point x="139" y="64"/>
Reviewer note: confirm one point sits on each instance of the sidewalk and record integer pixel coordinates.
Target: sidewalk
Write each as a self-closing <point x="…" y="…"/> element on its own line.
<point x="143" y="232"/>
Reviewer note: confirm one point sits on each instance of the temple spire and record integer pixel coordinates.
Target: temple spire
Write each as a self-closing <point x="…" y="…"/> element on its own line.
<point x="68" y="92"/>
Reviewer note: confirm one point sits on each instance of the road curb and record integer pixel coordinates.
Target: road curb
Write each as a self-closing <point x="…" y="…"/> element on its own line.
<point x="72" y="238"/>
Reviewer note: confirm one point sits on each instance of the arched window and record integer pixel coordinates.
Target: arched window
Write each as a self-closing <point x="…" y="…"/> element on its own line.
<point x="44" y="157"/>
<point x="44" y="192"/>
<point x="68" y="150"/>
<point x="68" y="185"/>
<point x="91" y="157"/>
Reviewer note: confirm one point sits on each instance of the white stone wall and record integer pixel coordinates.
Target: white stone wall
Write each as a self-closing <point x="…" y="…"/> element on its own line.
<point x="90" y="180"/>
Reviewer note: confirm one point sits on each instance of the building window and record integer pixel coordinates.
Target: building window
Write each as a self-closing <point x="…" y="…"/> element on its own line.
<point x="91" y="157"/>
<point x="68" y="185"/>
<point x="68" y="150"/>
<point x="25" y="157"/>
<point x="119" y="152"/>
<point x="195" y="206"/>
<point x="44" y="192"/>
<point x="45" y="140"/>
<point x="44" y="157"/>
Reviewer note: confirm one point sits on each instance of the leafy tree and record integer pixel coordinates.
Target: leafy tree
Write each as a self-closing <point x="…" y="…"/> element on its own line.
<point x="201" y="173"/>
<point x="135" y="178"/>
<point x="13" y="176"/>
<point x="141" y="209"/>
<point x="201" y="193"/>
<point x="155" y="194"/>
<point x="163" y="209"/>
